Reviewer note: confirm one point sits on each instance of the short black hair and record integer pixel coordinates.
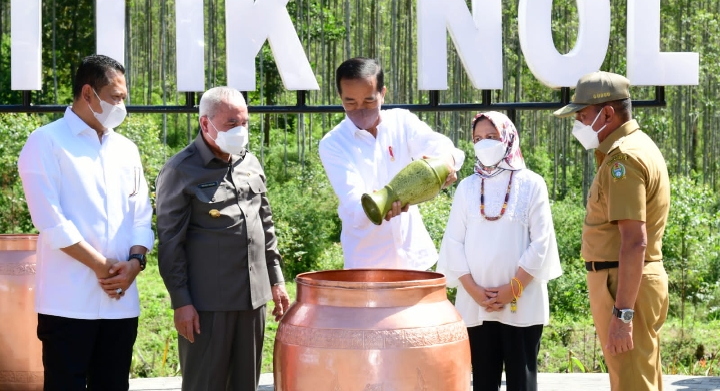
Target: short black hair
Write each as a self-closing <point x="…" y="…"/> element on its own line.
<point x="95" y="71"/>
<point x="622" y="107"/>
<point x="360" y="68"/>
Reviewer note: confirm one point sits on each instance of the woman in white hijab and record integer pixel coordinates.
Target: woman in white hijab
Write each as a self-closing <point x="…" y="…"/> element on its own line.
<point x="500" y="250"/>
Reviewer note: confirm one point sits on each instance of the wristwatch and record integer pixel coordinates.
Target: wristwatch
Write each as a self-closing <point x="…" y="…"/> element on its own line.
<point x="141" y="260"/>
<point x="625" y="315"/>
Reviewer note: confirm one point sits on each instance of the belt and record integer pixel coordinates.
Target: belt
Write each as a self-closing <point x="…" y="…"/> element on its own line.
<point x="596" y="266"/>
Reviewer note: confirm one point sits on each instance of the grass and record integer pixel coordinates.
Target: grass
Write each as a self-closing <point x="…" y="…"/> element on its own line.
<point x="689" y="348"/>
<point x="156" y="353"/>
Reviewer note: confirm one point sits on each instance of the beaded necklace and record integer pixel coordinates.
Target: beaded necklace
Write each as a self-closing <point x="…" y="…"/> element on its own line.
<point x="482" y="199"/>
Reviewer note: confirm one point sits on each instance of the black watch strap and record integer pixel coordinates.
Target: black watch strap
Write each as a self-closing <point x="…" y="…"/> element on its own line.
<point x="141" y="260"/>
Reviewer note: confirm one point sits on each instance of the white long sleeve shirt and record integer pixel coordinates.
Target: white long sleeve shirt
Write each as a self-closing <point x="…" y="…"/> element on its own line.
<point x="492" y="251"/>
<point x="80" y="189"/>
<point x="357" y="163"/>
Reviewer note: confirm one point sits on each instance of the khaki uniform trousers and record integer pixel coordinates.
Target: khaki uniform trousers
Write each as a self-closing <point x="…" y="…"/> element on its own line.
<point x="640" y="368"/>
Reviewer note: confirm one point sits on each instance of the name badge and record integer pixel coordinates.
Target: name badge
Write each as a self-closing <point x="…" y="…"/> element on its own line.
<point x="207" y="184"/>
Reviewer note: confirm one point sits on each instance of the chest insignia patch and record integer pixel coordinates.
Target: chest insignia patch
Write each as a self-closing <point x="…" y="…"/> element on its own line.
<point x="617" y="158"/>
<point x="617" y="171"/>
<point x="214" y="213"/>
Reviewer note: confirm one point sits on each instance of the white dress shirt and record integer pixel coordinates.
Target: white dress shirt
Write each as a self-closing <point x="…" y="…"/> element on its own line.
<point x="357" y="163"/>
<point x="492" y="251"/>
<point x="80" y="189"/>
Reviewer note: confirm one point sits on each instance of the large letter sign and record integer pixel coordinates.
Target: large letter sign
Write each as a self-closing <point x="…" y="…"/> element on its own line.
<point x="645" y="64"/>
<point x="253" y="22"/>
<point x="545" y="62"/>
<point x="477" y="38"/>
<point x="25" y="45"/>
<point x="110" y="29"/>
<point x="190" y="43"/>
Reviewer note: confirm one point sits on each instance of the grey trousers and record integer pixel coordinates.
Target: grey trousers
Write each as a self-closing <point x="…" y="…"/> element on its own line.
<point x="227" y="354"/>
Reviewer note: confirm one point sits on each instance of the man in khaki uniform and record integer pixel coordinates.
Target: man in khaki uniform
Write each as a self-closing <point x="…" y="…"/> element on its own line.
<point x="627" y="210"/>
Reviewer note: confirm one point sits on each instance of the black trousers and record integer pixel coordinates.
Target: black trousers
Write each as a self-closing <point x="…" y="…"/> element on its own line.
<point x="493" y="344"/>
<point x="79" y="352"/>
<point x="227" y="354"/>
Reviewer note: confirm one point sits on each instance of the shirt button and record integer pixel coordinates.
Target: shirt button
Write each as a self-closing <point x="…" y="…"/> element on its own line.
<point x="249" y="240"/>
<point x="249" y="174"/>
<point x="213" y="199"/>
<point x="250" y="267"/>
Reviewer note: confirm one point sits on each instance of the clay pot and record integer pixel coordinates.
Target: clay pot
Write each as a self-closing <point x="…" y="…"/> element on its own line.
<point x="418" y="182"/>
<point x="20" y="350"/>
<point x="372" y="330"/>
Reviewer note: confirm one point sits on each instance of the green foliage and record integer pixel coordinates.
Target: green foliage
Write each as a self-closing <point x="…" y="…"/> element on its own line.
<point x="435" y="214"/>
<point x="690" y="348"/>
<point x="155" y="353"/>
<point x="144" y="131"/>
<point x="691" y="247"/>
<point x="539" y="161"/>
<point x="468" y="167"/>
<point x="271" y="329"/>
<point x="568" y="293"/>
<point x="14" y="130"/>
<point x="304" y="210"/>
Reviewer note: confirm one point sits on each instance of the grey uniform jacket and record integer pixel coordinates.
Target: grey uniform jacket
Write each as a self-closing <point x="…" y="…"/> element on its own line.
<point x="217" y="247"/>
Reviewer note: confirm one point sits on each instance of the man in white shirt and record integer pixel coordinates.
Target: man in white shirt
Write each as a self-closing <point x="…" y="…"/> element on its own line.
<point x="88" y="198"/>
<point x="362" y="154"/>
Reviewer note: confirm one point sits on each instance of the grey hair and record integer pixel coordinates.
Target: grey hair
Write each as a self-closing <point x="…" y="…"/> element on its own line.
<point x="214" y="97"/>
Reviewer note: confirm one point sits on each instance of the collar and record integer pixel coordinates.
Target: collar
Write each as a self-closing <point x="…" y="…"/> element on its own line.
<point x="77" y="125"/>
<point x="205" y="153"/>
<point x="610" y="142"/>
<point x="351" y="129"/>
<point x="208" y="156"/>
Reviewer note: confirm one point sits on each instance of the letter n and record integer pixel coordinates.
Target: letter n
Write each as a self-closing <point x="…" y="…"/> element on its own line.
<point x="477" y="39"/>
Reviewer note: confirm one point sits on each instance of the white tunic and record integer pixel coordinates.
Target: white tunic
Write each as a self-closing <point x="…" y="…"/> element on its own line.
<point x="492" y="251"/>
<point x="357" y="163"/>
<point x="79" y="189"/>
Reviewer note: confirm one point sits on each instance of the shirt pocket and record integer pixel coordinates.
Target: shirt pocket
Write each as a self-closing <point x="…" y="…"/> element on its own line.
<point x="594" y="193"/>
<point x="251" y="191"/>
<point x="257" y="185"/>
<point x="596" y="211"/>
<point x="213" y="207"/>
<point x="130" y="180"/>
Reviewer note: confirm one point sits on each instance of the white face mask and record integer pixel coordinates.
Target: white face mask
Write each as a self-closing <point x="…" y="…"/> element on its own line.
<point x="232" y="141"/>
<point x="586" y="135"/>
<point x="490" y="152"/>
<point x="112" y="115"/>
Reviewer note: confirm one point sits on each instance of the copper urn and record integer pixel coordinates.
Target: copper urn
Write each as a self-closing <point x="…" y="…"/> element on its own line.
<point x="372" y="330"/>
<point x="20" y="350"/>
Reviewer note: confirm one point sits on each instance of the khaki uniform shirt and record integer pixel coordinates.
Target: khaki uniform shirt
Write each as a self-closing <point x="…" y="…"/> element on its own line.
<point x="631" y="183"/>
<point x="218" y="247"/>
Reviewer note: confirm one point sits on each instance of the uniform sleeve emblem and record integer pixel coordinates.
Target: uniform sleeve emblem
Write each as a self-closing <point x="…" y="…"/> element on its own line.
<point x="617" y="171"/>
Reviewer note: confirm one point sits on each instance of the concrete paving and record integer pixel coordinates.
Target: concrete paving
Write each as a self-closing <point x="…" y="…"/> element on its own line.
<point x="546" y="382"/>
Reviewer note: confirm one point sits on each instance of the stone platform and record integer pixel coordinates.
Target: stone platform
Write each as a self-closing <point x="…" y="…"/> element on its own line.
<point x="546" y="382"/>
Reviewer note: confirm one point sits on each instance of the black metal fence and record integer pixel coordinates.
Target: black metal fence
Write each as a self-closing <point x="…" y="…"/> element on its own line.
<point x="434" y="105"/>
